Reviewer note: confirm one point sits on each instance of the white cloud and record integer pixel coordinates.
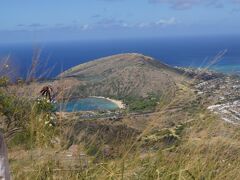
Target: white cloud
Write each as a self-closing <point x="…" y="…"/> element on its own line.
<point x="143" y="25"/>
<point x="187" y="4"/>
<point x="85" y="27"/>
<point x="166" y="22"/>
<point x="159" y="23"/>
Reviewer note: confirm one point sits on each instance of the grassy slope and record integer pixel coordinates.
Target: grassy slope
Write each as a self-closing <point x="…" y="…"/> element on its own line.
<point x="123" y="75"/>
<point x="180" y="140"/>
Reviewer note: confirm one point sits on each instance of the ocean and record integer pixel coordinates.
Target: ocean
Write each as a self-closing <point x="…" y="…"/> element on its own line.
<point x="182" y="51"/>
<point x="87" y="104"/>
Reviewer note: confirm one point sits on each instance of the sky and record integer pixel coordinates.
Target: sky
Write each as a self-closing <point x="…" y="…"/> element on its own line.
<point x="65" y="20"/>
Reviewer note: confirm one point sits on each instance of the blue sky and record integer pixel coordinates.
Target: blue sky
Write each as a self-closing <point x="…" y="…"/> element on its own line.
<point x="53" y="20"/>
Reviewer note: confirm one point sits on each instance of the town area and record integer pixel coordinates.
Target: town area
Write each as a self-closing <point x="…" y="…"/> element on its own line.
<point x="223" y="96"/>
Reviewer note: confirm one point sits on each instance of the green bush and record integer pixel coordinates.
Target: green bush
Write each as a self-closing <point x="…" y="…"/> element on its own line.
<point x="16" y="110"/>
<point x="4" y="81"/>
<point x="21" y="139"/>
<point x="142" y="104"/>
<point x="34" y="120"/>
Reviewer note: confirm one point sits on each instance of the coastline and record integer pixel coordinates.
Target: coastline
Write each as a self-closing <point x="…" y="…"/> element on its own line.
<point x="119" y="103"/>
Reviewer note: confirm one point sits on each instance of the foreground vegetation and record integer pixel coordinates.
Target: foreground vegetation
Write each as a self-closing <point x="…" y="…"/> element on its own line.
<point x="177" y="140"/>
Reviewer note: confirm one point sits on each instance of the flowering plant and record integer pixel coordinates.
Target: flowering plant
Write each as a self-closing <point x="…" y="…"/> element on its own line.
<point x="46" y="109"/>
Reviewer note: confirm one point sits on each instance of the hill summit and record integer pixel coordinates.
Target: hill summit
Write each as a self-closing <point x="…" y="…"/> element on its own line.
<point x="123" y="75"/>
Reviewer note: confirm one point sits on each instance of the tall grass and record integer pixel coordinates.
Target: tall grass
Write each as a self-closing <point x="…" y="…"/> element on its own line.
<point x="180" y="140"/>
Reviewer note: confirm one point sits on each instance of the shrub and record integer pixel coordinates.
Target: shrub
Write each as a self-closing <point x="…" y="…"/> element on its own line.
<point x="4" y="81"/>
<point x="142" y="104"/>
<point x="35" y="118"/>
<point x="16" y="110"/>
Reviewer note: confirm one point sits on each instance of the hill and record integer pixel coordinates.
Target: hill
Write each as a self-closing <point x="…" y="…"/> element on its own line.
<point x="123" y="75"/>
<point x="180" y="139"/>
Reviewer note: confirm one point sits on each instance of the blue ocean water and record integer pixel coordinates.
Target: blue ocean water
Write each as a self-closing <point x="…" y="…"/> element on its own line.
<point x="87" y="104"/>
<point x="188" y="51"/>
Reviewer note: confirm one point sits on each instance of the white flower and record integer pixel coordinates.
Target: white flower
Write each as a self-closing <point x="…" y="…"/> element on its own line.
<point x="51" y="118"/>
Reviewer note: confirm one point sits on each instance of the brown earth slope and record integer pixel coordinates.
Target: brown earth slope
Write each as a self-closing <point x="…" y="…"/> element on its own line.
<point x="123" y="75"/>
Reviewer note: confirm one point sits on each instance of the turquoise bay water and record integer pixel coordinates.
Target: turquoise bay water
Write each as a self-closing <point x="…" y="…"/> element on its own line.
<point x="87" y="104"/>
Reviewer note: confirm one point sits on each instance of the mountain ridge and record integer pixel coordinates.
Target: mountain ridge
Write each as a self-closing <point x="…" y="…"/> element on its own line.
<point x="121" y="75"/>
<point x="123" y="57"/>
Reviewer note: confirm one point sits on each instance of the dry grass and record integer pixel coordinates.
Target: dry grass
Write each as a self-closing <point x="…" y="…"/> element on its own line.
<point x="207" y="148"/>
<point x="181" y="140"/>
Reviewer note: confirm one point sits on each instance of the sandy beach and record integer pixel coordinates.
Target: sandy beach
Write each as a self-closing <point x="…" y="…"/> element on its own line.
<point x="119" y="103"/>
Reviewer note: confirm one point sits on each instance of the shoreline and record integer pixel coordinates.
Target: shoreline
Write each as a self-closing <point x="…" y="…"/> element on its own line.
<point x="119" y="103"/>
